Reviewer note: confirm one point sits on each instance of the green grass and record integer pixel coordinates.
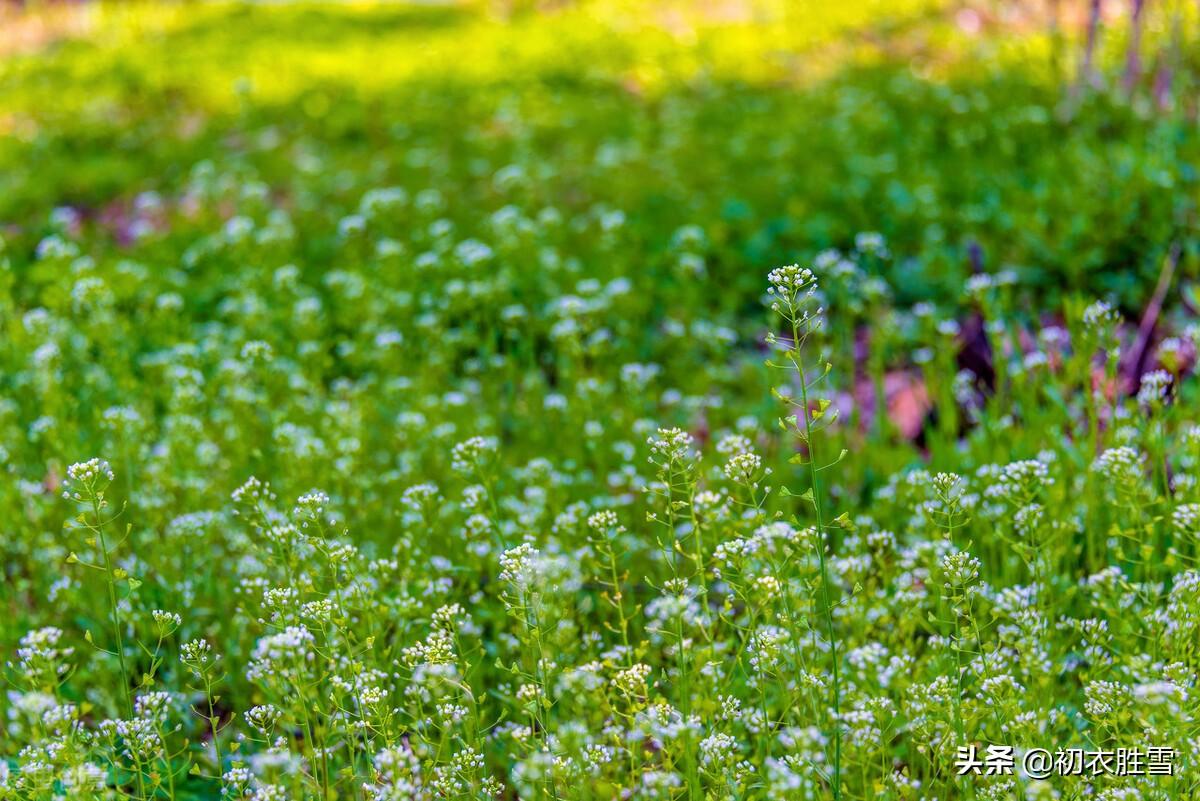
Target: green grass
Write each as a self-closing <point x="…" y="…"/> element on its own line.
<point x="792" y="134"/>
<point x="401" y="402"/>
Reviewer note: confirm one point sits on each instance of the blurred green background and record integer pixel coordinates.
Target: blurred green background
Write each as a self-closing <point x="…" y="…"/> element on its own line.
<point x="973" y="135"/>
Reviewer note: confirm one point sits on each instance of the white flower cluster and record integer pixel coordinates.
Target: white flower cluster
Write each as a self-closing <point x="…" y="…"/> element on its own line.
<point x="87" y="480"/>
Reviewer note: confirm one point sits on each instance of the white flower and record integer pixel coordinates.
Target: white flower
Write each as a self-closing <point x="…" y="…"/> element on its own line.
<point x="469" y="455"/>
<point x="86" y="480"/>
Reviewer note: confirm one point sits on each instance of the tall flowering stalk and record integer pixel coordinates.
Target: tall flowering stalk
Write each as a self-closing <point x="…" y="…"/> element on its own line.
<point x="522" y="572"/>
<point x="85" y="486"/>
<point x="794" y="297"/>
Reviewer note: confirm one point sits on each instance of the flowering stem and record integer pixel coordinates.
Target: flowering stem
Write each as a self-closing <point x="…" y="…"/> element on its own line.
<point x="112" y="600"/>
<point x="826" y="605"/>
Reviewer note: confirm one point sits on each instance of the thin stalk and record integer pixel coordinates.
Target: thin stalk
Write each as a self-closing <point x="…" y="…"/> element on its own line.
<point x="112" y="600"/>
<point x="826" y="603"/>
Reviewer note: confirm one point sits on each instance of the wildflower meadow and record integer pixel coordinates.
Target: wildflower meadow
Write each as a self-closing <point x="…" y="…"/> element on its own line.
<point x="600" y="401"/>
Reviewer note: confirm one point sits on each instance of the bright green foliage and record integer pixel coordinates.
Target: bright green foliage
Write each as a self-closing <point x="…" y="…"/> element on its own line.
<point x="401" y="402"/>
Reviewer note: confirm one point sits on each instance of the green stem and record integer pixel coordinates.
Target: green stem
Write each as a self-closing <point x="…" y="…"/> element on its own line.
<point x="115" y="611"/>
<point x="826" y="604"/>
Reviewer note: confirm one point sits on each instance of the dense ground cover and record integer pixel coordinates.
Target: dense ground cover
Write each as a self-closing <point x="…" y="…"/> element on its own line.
<point x="430" y="420"/>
